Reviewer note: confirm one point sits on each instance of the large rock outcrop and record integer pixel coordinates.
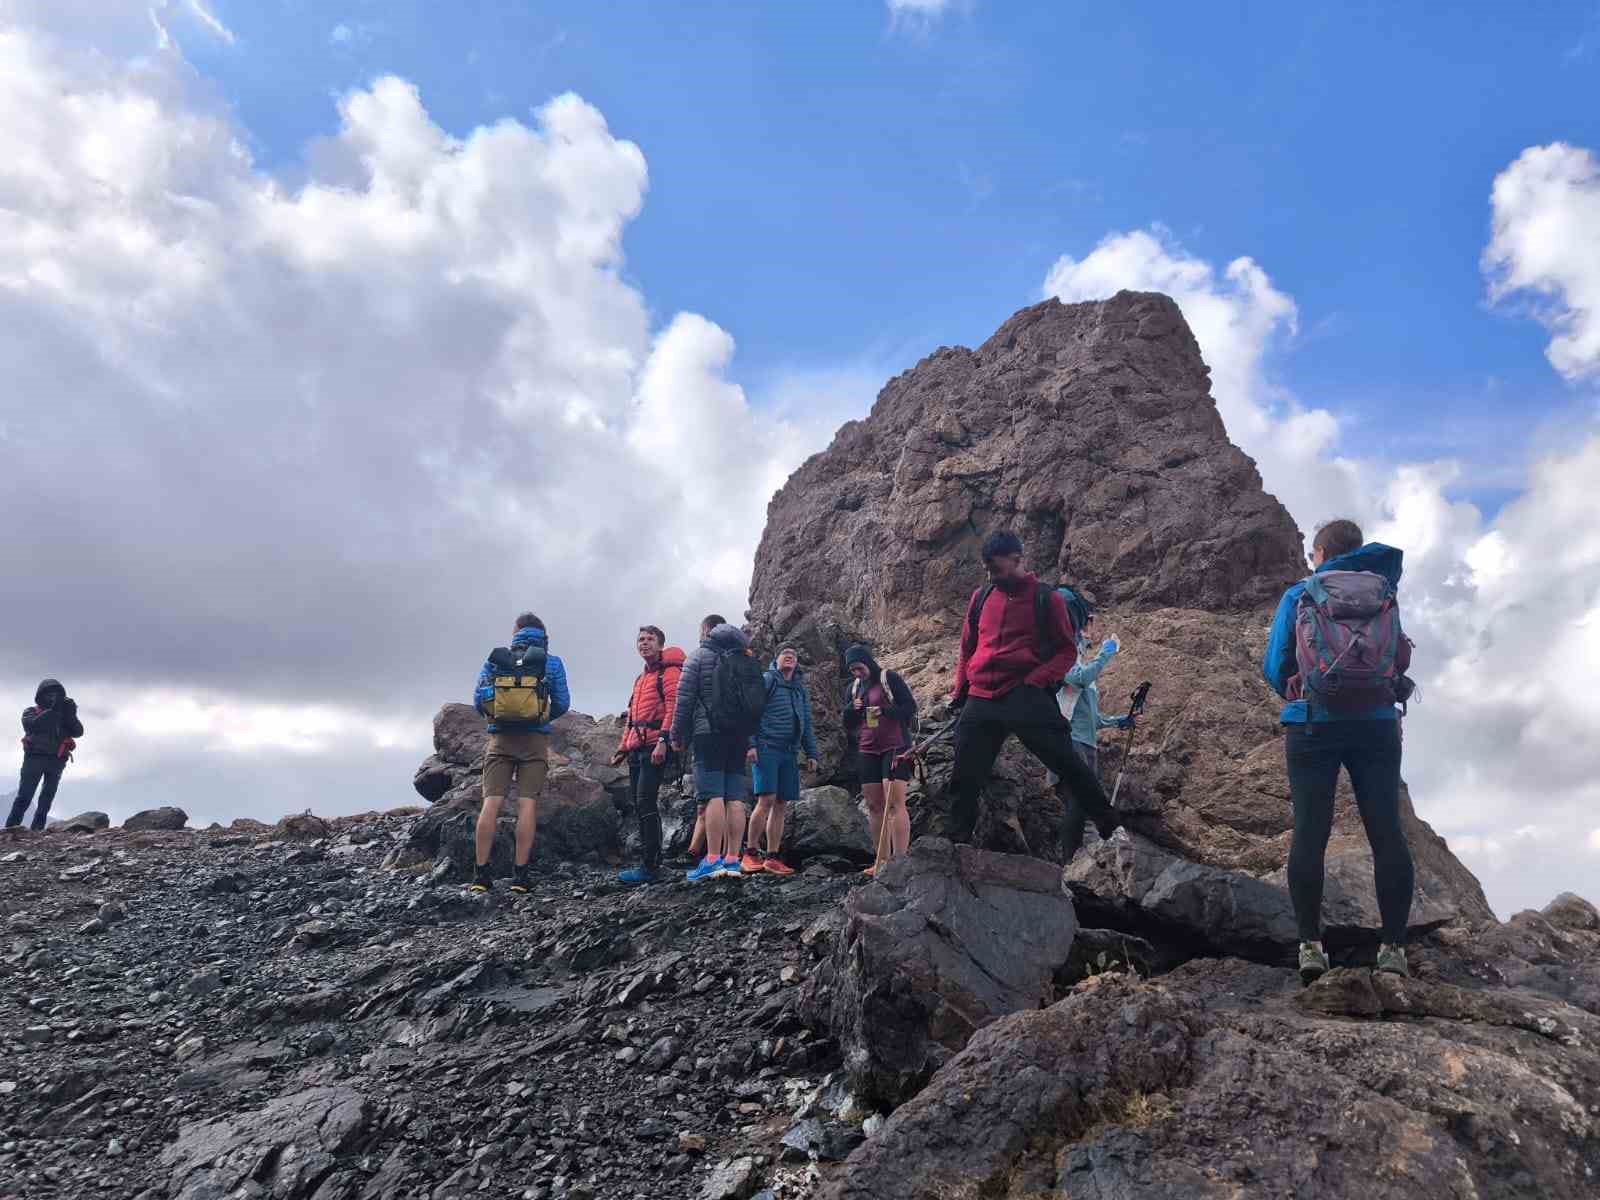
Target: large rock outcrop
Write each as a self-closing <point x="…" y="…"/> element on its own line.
<point x="1090" y="429"/>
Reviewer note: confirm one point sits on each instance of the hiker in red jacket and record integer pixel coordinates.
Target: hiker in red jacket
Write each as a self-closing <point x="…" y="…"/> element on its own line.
<point x="644" y="743"/>
<point x="1016" y="644"/>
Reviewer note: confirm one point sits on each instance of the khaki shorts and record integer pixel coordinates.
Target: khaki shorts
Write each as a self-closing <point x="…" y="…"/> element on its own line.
<point x="520" y="756"/>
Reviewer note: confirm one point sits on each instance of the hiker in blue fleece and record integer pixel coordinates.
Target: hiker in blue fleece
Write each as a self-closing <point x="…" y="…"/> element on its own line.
<point x="517" y="757"/>
<point x="1317" y="744"/>
<point x="784" y="734"/>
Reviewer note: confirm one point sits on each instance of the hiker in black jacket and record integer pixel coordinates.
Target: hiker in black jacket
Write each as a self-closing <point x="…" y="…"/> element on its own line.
<point x="49" y="726"/>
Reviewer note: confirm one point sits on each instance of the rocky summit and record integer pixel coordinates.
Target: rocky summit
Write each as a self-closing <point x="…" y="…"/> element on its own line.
<point x="315" y="1009"/>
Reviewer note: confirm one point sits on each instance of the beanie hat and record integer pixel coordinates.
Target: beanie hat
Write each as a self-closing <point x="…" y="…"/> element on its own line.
<point x="1001" y="541"/>
<point x="858" y="654"/>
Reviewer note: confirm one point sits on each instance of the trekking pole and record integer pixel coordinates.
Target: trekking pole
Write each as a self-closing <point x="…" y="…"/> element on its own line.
<point x="1135" y="711"/>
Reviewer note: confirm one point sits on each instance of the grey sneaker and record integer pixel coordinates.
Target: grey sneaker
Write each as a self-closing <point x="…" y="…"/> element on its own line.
<point x="1393" y="960"/>
<point x="1313" y="962"/>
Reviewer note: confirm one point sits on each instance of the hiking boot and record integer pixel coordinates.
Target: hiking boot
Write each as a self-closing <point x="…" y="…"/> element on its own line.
<point x="773" y="865"/>
<point x="635" y="876"/>
<point x="1393" y="960"/>
<point x="1313" y="962"/>
<point x="730" y="868"/>
<point x="752" y="864"/>
<point x="708" y="869"/>
<point x="522" y="879"/>
<point x="481" y="879"/>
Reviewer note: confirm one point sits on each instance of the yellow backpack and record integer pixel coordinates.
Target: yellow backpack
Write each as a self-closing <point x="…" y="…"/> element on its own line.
<point x="521" y="695"/>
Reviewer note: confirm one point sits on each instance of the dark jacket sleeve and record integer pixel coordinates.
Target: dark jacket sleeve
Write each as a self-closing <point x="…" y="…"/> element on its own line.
<point x="35" y="719"/>
<point x="70" y="725"/>
<point x="687" y="698"/>
<point x="905" y="704"/>
<point x="853" y="716"/>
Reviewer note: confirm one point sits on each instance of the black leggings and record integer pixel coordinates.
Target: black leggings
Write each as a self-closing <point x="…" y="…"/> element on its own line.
<point x="36" y="769"/>
<point x="1033" y="715"/>
<point x="1370" y="752"/>
<point x="644" y="785"/>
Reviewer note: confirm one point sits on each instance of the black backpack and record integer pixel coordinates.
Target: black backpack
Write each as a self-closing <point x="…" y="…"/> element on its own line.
<point x="738" y="694"/>
<point x="1077" y="613"/>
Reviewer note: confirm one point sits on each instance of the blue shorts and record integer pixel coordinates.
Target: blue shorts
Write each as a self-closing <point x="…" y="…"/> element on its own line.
<point x="777" y="773"/>
<point x="719" y="768"/>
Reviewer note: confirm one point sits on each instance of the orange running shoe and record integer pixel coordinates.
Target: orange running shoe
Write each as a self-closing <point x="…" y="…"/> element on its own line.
<point x="751" y="865"/>
<point x="776" y="866"/>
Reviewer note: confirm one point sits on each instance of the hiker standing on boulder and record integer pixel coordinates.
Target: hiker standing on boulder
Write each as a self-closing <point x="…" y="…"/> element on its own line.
<point x="721" y="685"/>
<point x="1017" y="644"/>
<point x="521" y="689"/>
<point x="49" y="729"/>
<point x="1078" y="698"/>
<point x="775" y="757"/>
<point x="645" y="741"/>
<point x="878" y="711"/>
<point x="1337" y="654"/>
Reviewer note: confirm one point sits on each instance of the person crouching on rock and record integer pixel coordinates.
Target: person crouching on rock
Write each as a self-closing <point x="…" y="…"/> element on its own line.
<point x="1017" y="643"/>
<point x="878" y="710"/>
<point x="49" y="729"/>
<point x="521" y="689"/>
<point x="645" y="741"/>
<point x="721" y="783"/>
<point x="1353" y="724"/>
<point x="784" y="734"/>
<point x="1078" y="698"/>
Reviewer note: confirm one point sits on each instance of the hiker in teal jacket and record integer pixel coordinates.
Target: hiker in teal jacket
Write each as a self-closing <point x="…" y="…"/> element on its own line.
<point x="784" y="735"/>
<point x="1317" y="744"/>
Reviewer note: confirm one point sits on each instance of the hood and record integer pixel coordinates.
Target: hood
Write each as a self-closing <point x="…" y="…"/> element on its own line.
<point x="860" y="654"/>
<point x="46" y="686"/>
<point x="672" y="656"/>
<point x="1374" y="556"/>
<point x="530" y="637"/>
<point x="728" y="637"/>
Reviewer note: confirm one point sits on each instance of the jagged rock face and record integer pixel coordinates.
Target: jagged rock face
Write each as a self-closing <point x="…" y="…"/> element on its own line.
<point x="1091" y="431"/>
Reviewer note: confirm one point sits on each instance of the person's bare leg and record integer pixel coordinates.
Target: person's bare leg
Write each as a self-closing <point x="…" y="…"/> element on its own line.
<point x="897" y="816"/>
<point x="697" y="839"/>
<point x="716" y="827"/>
<point x="487" y="816"/>
<point x="775" y="825"/>
<point x="760" y="825"/>
<point x="527" y="824"/>
<point x="872" y="793"/>
<point x="737" y="814"/>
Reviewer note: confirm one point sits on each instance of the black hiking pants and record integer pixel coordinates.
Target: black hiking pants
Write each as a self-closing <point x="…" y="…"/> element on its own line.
<point x="1034" y="716"/>
<point x="1370" y="752"/>
<point x="36" y="769"/>
<point x="644" y="786"/>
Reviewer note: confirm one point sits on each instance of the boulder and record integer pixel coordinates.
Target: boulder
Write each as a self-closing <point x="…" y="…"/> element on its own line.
<point x="826" y="822"/>
<point x="84" y="822"/>
<point x="945" y="940"/>
<point x="302" y="827"/>
<point x="1224" y="1079"/>
<point x="459" y="735"/>
<point x="1091" y="430"/>
<point x="434" y="778"/>
<point x="165" y="817"/>
<point x="282" y="1151"/>
<point x="1573" y="913"/>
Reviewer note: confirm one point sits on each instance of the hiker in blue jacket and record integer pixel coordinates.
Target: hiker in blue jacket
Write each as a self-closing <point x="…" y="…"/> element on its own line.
<point x="1317" y="743"/>
<point x="784" y="734"/>
<point x="517" y="757"/>
<point x="1079" y="701"/>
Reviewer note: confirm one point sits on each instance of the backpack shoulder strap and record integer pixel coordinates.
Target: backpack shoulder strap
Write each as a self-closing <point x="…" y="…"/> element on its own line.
<point x="977" y="610"/>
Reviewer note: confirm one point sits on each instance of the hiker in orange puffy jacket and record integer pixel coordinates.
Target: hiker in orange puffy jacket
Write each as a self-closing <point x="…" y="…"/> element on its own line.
<point x="1016" y="644"/>
<point x="645" y="746"/>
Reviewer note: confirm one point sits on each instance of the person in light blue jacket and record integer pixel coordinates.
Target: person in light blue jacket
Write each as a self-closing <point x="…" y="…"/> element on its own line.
<point x="1079" y="699"/>
<point x="1318" y="743"/>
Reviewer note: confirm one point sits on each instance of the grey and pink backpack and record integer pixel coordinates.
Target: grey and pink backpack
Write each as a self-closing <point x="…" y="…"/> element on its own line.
<point x="1350" y="651"/>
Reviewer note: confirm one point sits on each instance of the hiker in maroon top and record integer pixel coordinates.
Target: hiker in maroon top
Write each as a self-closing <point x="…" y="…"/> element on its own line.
<point x="878" y="710"/>
<point x="1016" y="644"/>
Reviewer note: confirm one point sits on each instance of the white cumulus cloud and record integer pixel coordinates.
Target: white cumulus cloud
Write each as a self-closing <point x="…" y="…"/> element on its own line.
<point x="1546" y="247"/>
<point x="285" y="458"/>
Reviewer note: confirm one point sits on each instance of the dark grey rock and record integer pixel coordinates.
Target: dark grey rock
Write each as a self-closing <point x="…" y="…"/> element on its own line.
<point x="166" y="817"/>
<point x="826" y="822"/>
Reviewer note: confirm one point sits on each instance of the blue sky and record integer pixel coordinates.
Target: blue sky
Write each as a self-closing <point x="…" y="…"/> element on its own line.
<point x="832" y="189"/>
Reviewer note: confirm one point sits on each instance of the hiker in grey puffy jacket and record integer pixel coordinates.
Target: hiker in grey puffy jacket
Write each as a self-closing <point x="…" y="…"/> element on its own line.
<point x="721" y="783"/>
